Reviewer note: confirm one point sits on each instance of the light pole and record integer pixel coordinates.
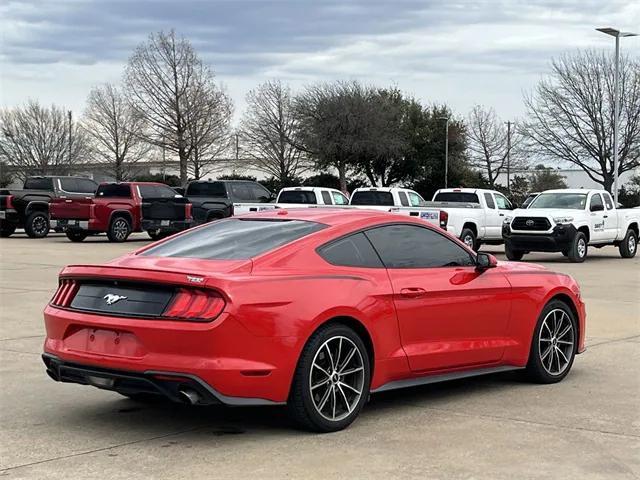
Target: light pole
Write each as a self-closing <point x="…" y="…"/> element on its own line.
<point x="616" y="102"/>
<point x="509" y="157"/>
<point x="446" y="150"/>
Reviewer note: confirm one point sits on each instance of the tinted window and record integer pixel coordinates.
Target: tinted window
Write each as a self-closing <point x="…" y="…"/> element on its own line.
<point x="326" y="198"/>
<point x="503" y="202"/>
<point x="114" y="190"/>
<point x="156" y="191"/>
<point x="234" y="239"/>
<point x="573" y="201"/>
<point x="489" y="199"/>
<point x="596" y="203"/>
<point x="608" y="201"/>
<point x="352" y="251"/>
<point x="456" y="197"/>
<point x="86" y="185"/>
<point x="207" y="189"/>
<point x="36" y="183"/>
<point x="404" y="201"/>
<point x="372" y="197"/>
<point x="528" y="200"/>
<point x="409" y="246"/>
<point x="339" y="199"/>
<point x="297" y="196"/>
<point x="415" y="199"/>
<point x="259" y="192"/>
<point x="147" y="191"/>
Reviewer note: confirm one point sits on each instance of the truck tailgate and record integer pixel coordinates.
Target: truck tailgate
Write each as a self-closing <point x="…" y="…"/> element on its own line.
<point x="164" y="208"/>
<point x="70" y="208"/>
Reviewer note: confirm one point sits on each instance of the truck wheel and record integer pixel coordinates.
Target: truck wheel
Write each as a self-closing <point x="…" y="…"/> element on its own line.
<point x="6" y="229"/>
<point x="37" y="225"/>
<point x="578" y="249"/>
<point x="119" y="230"/>
<point x="629" y="245"/>
<point x="76" y="236"/>
<point x="469" y="239"/>
<point x="513" y="255"/>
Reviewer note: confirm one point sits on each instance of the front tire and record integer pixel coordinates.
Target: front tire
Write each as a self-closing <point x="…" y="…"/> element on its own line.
<point x="629" y="245"/>
<point x="119" y="229"/>
<point x="331" y="382"/>
<point x="579" y="247"/>
<point x="554" y="344"/>
<point x="512" y="254"/>
<point x="37" y="225"/>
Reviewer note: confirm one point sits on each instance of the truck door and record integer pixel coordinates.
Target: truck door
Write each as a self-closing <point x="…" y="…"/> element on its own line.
<point x="493" y="220"/>
<point x="610" y="219"/>
<point x="596" y="218"/>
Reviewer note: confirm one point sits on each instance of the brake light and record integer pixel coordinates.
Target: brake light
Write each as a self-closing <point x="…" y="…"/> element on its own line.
<point x="92" y="210"/>
<point x="65" y="293"/>
<point x="197" y="305"/>
<point x="9" y="202"/>
<point x="444" y="219"/>
<point x="187" y="211"/>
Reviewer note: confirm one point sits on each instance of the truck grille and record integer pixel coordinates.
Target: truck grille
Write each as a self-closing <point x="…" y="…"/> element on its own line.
<point x="531" y="223"/>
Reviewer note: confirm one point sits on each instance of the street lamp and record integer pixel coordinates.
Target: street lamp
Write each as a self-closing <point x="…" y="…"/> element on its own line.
<point x="616" y="102"/>
<point x="446" y="150"/>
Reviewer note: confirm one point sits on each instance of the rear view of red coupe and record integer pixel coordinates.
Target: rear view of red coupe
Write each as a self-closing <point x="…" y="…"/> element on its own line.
<point x="311" y="308"/>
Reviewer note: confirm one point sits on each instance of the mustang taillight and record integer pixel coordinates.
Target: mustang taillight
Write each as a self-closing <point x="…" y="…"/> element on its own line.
<point x="444" y="219"/>
<point x="65" y="293"/>
<point x="196" y="305"/>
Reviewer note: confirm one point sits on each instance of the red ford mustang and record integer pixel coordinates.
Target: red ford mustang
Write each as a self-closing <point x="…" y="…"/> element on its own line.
<point x="315" y="308"/>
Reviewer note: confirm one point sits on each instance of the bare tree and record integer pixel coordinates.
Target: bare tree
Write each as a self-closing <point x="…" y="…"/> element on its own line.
<point x="209" y="129"/>
<point x="165" y="80"/>
<point x="37" y="140"/>
<point x="571" y="115"/>
<point x="268" y="132"/>
<point x="492" y="146"/>
<point x="114" y="130"/>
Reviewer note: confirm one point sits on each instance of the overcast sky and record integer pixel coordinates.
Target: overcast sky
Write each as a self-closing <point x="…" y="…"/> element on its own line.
<point x="462" y="53"/>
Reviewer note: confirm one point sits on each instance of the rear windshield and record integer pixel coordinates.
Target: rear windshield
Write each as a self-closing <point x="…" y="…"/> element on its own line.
<point x="298" y="196"/>
<point x="234" y="239"/>
<point x="456" y="197"/>
<point x="36" y="183"/>
<point x="114" y="190"/>
<point x="372" y="197"/>
<point x="207" y="189"/>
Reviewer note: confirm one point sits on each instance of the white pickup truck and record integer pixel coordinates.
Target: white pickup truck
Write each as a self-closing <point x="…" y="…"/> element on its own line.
<point x="296" y="197"/>
<point x="569" y="221"/>
<point x="474" y="215"/>
<point x="381" y="198"/>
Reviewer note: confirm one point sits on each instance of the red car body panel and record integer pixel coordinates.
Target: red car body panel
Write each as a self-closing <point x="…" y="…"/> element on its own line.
<point x="465" y="319"/>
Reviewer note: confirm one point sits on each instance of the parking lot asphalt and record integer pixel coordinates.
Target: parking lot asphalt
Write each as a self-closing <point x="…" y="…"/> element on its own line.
<point x="587" y="426"/>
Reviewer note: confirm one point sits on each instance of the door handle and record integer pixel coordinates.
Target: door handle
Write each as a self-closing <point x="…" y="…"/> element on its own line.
<point x="605" y="216"/>
<point x="501" y="214"/>
<point x="413" y="292"/>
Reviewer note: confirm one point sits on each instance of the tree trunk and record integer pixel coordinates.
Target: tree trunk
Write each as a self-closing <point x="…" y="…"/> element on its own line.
<point x="343" y="177"/>
<point x="607" y="182"/>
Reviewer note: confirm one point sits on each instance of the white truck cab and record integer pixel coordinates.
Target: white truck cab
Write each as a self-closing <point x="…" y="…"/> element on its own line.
<point x="381" y="198"/>
<point x="312" y="196"/>
<point x="569" y="221"/>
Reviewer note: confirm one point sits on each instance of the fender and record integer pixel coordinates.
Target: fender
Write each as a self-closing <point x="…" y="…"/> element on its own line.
<point x="38" y="205"/>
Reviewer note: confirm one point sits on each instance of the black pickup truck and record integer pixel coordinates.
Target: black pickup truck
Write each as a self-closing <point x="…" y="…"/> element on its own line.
<point x="213" y="200"/>
<point x="29" y="208"/>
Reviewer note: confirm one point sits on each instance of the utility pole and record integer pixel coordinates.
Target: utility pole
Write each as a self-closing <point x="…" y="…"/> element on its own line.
<point x="237" y="149"/>
<point x="509" y="157"/>
<point x="446" y="150"/>
<point x="69" y="149"/>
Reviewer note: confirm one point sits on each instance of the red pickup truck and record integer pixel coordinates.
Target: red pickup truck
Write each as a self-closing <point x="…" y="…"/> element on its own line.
<point x="120" y="209"/>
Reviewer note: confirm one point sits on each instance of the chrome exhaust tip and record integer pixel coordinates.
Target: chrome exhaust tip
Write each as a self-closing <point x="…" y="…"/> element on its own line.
<point x="189" y="396"/>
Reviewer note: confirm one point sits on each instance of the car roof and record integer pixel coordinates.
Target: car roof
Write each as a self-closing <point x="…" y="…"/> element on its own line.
<point x="574" y="190"/>
<point x="328" y="216"/>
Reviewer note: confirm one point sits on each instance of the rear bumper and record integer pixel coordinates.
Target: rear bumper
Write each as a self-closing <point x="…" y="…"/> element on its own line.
<point x="166" y="225"/>
<point x="10" y="216"/>
<point x="558" y="240"/>
<point x="64" y="225"/>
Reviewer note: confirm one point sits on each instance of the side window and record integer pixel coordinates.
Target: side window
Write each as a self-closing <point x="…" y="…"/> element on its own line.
<point x="86" y="185"/>
<point x="326" y="198"/>
<point x="489" y="199"/>
<point x="415" y="199"/>
<point x="241" y="191"/>
<point x="163" y="191"/>
<point x="147" y="191"/>
<point x="412" y="246"/>
<point x="259" y="193"/>
<point x="596" y="204"/>
<point x="339" y="199"/>
<point x="352" y="251"/>
<point x="404" y="201"/>
<point x="114" y="190"/>
<point x="608" y="201"/>
<point x="503" y="202"/>
<point x="38" y="183"/>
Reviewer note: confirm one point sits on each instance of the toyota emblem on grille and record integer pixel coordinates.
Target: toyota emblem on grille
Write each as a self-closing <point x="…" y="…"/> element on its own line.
<point x="112" y="298"/>
<point x="530" y="223"/>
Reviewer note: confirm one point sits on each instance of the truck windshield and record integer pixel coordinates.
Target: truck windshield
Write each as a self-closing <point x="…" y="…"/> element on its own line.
<point x="372" y="197"/>
<point x="456" y="197"/>
<point x="234" y="239"/>
<point x="298" y="196"/>
<point x="571" y="201"/>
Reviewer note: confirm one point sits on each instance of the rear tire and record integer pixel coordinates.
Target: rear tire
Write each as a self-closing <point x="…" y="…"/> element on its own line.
<point x="554" y="344"/>
<point x="37" y="225"/>
<point x="76" y="236"/>
<point x="154" y="234"/>
<point x="331" y="382"/>
<point x="513" y="255"/>
<point x="629" y="245"/>
<point x="579" y="247"/>
<point x="119" y="229"/>
<point x="469" y="239"/>
<point x="6" y="229"/>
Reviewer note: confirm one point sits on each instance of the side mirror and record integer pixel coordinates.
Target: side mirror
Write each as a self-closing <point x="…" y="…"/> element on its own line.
<point x="484" y="261"/>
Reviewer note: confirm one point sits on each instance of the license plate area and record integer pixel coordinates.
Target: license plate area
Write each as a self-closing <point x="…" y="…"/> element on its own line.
<point x="105" y="342"/>
<point x="164" y="223"/>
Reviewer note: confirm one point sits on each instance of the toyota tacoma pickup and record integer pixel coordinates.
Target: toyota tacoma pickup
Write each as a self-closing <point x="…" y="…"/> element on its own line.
<point x="29" y="208"/>
<point x="569" y="221"/>
<point x="122" y="208"/>
<point x="300" y="197"/>
<point x="474" y="215"/>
